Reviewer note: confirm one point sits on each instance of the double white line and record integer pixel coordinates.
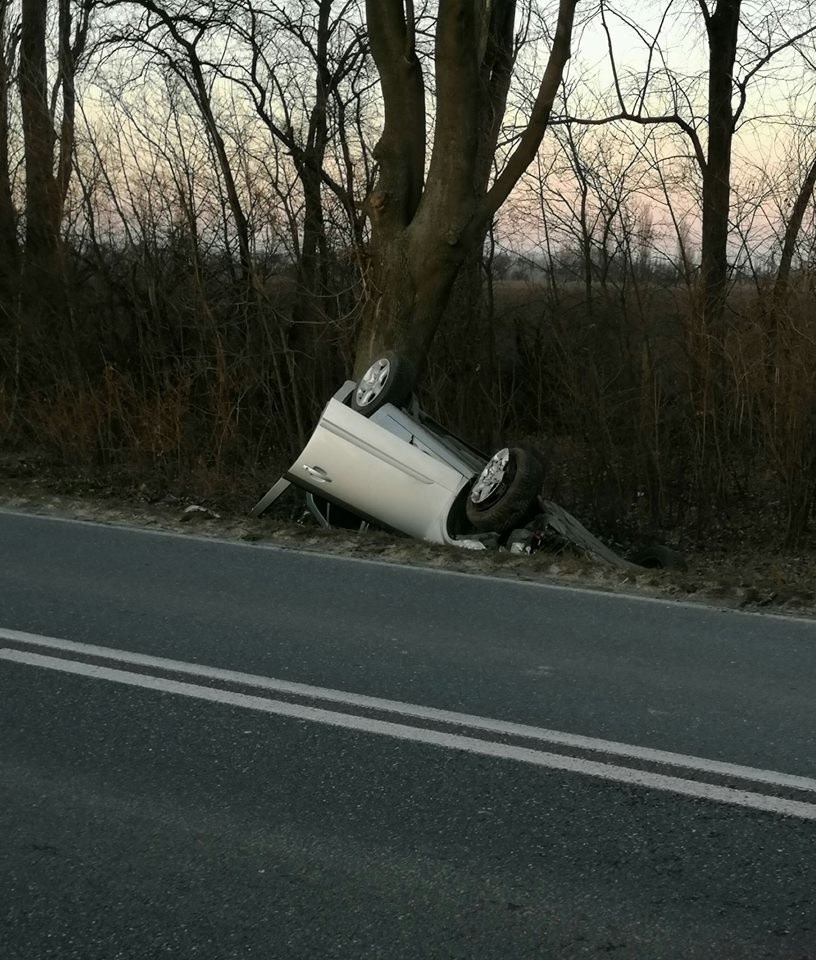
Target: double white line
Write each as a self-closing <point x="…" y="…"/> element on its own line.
<point x="368" y="719"/>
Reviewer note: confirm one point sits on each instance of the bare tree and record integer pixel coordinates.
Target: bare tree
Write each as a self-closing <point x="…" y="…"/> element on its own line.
<point x="301" y="68"/>
<point x="187" y="31"/>
<point x="740" y="46"/>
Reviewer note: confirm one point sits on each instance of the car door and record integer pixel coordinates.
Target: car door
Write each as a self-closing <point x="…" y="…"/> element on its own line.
<point x="354" y="462"/>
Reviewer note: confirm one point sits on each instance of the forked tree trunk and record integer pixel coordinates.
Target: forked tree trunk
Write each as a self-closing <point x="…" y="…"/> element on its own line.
<point x="423" y="231"/>
<point x="414" y="277"/>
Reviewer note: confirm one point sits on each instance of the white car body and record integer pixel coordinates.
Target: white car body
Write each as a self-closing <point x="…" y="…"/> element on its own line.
<point x="399" y="470"/>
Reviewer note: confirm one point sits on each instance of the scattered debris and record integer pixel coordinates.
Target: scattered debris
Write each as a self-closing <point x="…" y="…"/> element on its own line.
<point x="576" y="533"/>
<point x="196" y="512"/>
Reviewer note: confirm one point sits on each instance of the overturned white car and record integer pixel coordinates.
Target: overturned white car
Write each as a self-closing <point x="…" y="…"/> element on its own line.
<point x="377" y="456"/>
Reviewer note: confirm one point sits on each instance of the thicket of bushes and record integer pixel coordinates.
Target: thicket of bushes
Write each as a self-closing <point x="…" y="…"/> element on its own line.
<point x="181" y="373"/>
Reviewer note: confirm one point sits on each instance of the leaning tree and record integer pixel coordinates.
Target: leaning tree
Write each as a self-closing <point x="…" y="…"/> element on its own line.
<point x="427" y="218"/>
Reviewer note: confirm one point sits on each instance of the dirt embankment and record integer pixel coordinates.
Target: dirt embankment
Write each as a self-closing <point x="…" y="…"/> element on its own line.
<point x="746" y="577"/>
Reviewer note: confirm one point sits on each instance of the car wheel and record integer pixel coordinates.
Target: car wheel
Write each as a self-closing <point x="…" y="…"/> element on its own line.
<point x="503" y="493"/>
<point x="658" y="557"/>
<point x="389" y="379"/>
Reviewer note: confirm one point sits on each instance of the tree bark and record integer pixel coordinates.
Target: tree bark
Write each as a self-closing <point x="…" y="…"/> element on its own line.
<point x="722" y="28"/>
<point x="420" y="237"/>
<point x="400" y="154"/>
<point x="792" y="230"/>
<point x="202" y="96"/>
<point x="309" y="164"/>
<point x="70" y="51"/>
<point x="779" y="294"/>
<point x="42" y="194"/>
<point x="9" y="252"/>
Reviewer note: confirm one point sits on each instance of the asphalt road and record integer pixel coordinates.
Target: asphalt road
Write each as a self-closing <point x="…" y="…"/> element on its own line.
<point x="181" y="793"/>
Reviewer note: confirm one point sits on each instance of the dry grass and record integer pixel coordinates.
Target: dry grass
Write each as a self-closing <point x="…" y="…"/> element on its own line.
<point x="655" y="425"/>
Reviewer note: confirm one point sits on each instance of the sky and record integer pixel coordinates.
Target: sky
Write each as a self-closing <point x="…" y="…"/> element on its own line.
<point x="764" y="138"/>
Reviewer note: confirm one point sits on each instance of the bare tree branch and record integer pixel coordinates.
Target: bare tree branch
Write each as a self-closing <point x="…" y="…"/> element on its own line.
<point x="531" y="139"/>
<point x="742" y="84"/>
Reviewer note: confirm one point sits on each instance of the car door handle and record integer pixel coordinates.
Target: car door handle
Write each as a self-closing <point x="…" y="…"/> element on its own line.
<point x="317" y="473"/>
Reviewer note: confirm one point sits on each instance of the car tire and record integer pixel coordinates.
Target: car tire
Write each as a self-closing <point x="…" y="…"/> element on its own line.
<point x="658" y="557"/>
<point x="388" y="379"/>
<point x="516" y="493"/>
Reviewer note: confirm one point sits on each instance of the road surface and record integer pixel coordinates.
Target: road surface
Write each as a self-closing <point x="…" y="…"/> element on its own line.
<point x="222" y="750"/>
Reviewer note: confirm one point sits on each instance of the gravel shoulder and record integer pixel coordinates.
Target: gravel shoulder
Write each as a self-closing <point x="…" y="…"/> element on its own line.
<point x="740" y="578"/>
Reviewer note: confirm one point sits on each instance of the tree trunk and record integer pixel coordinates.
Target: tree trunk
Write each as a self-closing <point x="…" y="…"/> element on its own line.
<point x="42" y="240"/>
<point x="722" y="27"/>
<point x="308" y="313"/>
<point x="392" y="205"/>
<point x="414" y="275"/>
<point x="779" y="295"/>
<point x="70" y="51"/>
<point x="420" y="237"/>
<point x="202" y="96"/>
<point x="794" y="226"/>
<point x="9" y="253"/>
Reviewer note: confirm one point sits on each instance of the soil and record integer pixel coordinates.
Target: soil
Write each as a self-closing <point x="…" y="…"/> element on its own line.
<point x="731" y="573"/>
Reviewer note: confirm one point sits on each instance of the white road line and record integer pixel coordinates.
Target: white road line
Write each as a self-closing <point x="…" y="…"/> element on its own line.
<point x="399" y="731"/>
<point x="502" y="727"/>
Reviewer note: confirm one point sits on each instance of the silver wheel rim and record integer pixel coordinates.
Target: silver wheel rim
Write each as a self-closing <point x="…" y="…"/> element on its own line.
<point x="491" y="478"/>
<point x="372" y="382"/>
